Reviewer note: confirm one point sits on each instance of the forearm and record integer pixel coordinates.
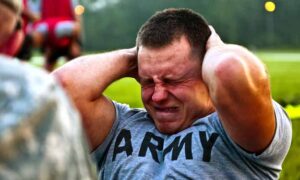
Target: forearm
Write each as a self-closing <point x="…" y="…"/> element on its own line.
<point x="88" y="76"/>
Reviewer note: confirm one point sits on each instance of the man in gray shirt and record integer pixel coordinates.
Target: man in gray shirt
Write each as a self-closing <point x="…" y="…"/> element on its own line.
<point x="208" y="110"/>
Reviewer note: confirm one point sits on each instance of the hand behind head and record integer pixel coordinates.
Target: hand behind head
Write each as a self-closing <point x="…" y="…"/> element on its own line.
<point x="214" y="39"/>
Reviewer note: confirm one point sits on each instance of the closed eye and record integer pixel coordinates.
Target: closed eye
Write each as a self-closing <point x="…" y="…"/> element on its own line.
<point x="168" y="81"/>
<point x="146" y="82"/>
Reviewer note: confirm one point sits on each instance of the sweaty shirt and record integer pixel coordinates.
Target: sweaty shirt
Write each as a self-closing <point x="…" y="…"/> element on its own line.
<point x="135" y="149"/>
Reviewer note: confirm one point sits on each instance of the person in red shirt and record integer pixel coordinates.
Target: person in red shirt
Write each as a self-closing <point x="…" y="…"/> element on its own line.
<point x="58" y="31"/>
<point x="29" y="16"/>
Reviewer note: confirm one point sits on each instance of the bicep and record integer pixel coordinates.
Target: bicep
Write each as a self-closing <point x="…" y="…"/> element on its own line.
<point x="97" y="118"/>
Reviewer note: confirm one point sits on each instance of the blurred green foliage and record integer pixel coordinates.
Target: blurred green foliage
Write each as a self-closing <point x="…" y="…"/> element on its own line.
<point x="244" y="22"/>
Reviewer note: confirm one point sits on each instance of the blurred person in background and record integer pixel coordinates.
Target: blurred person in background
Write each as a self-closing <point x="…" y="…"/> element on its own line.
<point x="58" y="31"/>
<point x="208" y="111"/>
<point x="30" y="15"/>
<point x="41" y="136"/>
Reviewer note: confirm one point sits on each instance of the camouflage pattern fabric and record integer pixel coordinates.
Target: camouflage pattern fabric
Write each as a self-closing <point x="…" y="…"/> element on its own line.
<point x="41" y="136"/>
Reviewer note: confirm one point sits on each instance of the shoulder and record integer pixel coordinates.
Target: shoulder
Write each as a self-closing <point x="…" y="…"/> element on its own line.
<point x="124" y="111"/>
<point x="13" y="69"/>
<point x="29" y="89"/>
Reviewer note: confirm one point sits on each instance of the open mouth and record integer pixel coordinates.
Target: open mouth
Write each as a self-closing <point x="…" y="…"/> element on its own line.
<point x="166" y="109"/>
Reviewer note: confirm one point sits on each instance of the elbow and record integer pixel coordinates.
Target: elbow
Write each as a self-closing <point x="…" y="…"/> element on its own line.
<point x="230" y="68"/>
<point x="241" y="65"/>
<point x="236" y="72"/>
<point x="62" y="76"/>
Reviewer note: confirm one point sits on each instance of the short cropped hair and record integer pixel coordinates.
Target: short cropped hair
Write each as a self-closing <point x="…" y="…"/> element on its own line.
<point x="170" y="24"/>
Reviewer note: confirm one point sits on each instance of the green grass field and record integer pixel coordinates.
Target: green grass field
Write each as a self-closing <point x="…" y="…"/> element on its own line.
<point x="284" y="70"/>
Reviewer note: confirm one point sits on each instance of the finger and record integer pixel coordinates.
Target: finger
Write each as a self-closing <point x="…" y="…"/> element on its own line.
<point x="214" y="39"/>
<point x="212" y="29"/>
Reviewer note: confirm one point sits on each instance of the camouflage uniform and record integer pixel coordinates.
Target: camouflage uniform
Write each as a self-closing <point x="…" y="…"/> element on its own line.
<point x="40" y="131"/>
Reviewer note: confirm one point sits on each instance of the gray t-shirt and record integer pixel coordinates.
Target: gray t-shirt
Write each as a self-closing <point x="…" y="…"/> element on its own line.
<point x="135" y="149"/>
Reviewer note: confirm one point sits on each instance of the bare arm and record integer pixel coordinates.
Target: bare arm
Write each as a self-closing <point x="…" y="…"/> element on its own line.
<point x="85" y="79"/>
<point x="239" y="87"/>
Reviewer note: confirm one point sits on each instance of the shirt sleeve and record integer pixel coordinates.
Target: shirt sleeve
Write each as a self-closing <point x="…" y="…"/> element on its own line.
<point x="98" y="155"/>
<point x="275" y="153"/>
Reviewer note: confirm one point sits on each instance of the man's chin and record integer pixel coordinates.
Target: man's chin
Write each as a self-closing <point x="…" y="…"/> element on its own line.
<point x="167" y="128"/>
<point x="167" y="131"/>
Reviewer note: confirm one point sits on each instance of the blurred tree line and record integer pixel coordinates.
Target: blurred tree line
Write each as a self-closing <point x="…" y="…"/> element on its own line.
<point x="243" y="22"/>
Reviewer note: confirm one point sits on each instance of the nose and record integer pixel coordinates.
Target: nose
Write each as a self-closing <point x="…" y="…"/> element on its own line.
<point x="160" y="93"/>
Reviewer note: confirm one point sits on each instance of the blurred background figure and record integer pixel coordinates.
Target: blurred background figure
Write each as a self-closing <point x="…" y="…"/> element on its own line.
<point x="40" y="131"/>
<point x="30" y="15"/>
<point x="57" y="31"/>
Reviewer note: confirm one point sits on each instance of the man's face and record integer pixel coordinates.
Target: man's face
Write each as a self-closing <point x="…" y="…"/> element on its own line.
<point x="8" y="20"/>
<point x="172" y="88"/>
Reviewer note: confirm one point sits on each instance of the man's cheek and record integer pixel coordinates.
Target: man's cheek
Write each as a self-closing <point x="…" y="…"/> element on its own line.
<point x="147" y="94"/>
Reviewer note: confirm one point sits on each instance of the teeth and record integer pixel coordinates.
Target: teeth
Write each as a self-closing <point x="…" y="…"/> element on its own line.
<point x="167" y="109"/>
